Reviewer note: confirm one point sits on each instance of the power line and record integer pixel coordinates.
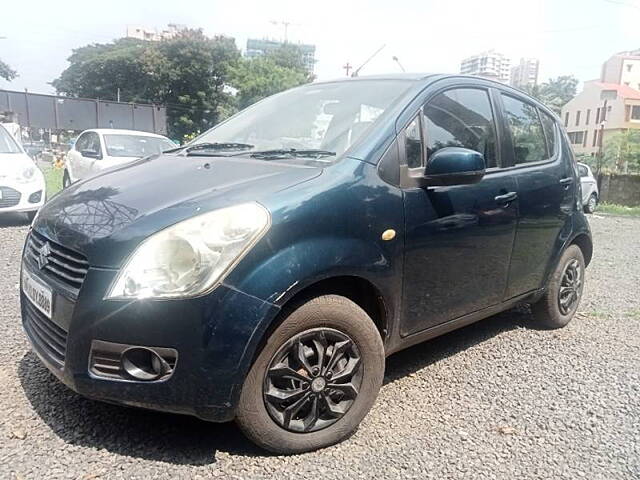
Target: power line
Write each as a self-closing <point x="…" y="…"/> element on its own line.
<point x="624" y="4"/>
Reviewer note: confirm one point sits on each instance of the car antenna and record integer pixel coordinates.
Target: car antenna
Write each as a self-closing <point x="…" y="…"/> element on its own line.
<point x="357" y="70"/>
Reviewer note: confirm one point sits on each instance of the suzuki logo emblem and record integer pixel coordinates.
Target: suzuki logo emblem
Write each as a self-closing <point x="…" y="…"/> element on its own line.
<point x="43" y="255"/>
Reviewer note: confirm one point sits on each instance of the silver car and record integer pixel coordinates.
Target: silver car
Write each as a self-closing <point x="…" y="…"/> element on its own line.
<point x="589" y="188"/>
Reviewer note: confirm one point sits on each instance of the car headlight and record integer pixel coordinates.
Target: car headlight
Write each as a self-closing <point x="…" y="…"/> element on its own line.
<point x="27" y="175"/>
<point x="190" y="257"/>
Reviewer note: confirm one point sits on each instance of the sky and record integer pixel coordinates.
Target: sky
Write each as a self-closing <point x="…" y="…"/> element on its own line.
<point x="568" y="36"/>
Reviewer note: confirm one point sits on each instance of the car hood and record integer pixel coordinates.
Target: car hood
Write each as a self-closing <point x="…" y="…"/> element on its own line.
<point x="105" y="217"/>
<point x="13" y="164"/>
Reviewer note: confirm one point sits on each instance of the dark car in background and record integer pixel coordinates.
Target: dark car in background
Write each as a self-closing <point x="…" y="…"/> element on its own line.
<point x="265" y="270"/>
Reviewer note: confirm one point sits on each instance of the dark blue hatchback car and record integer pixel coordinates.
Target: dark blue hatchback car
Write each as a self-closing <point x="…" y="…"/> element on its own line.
<point x="265" y="270"/>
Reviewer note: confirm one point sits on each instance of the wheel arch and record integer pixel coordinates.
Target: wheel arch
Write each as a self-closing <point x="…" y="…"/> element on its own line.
<point x="359" y="290"/>
<point x="585" y="244"/>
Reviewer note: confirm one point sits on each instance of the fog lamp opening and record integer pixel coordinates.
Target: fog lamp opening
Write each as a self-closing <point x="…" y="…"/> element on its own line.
<point x="142" y="363"/>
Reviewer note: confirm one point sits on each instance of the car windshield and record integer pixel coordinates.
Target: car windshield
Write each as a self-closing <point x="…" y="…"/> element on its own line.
<point x="325" y="117"/>
<point x="7" y="143"/>
<point x="135" y="145"/>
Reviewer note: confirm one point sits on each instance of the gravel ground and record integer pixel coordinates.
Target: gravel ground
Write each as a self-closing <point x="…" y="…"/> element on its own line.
<point x="497" y="399"/>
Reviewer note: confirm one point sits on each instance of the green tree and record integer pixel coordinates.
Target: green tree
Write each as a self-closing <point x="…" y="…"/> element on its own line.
<point x="192" y="71"/>
<point x="260" y="77"/>
<point x="621" y="151"/>
<point x="189" y="74"/>
<point x="289" y="56"/>
<point x="6" y="72"/>
<point x="186" y="73"/>
<point x="99" y="70"/>
<point x="556" y="92"/>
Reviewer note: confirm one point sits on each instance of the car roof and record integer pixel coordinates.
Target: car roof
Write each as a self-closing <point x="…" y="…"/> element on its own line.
<point x="116" y="131"/>
<point x="415" y="77"/>
<point x="421" y="80"/>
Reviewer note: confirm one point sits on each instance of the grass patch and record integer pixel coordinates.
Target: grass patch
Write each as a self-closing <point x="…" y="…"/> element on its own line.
<point x="53" y="179"/>
<point x="613" y="209"/>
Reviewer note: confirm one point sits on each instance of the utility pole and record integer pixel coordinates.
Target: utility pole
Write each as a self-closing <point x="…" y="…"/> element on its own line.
<point x="118" y="95"/>
<point x="603" y="119"/>
<point x="286" y="26"/>
<point x="347" y="66"/>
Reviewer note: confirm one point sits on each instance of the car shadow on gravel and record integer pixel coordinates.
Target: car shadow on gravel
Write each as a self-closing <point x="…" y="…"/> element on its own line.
<point x="185" y="440"/>
<point x="422" y="355"/>
<point x="13" y="220"/>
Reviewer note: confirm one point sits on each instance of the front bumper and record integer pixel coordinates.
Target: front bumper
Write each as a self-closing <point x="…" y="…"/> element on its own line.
<point x="214" y="335"/>
<point x="22" y="197"/>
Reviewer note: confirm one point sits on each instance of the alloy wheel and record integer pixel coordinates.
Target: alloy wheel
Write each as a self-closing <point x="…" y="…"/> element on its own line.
<point x="313" y="380"/>
<point x="570" y="287"/>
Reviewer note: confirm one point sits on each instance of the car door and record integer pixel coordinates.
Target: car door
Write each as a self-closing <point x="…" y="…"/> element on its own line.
<point x="458" y="238"/>
<point x="546" y="181"/>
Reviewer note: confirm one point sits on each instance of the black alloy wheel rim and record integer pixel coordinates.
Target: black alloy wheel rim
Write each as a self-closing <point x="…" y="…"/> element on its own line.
<point x="313" y="380"/>
<point x="570" y="287"/>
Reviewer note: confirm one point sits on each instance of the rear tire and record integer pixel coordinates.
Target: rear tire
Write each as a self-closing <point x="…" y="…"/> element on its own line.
<point x="562" y="297"/>
<point x="326" y="414"/>
<point x="592" y="203"/>
<point x="66" y="179"/>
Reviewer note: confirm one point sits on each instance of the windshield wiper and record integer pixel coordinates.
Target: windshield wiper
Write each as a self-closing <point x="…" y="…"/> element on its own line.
<point x="216" y="147"/>
<point x="290" y="152"/>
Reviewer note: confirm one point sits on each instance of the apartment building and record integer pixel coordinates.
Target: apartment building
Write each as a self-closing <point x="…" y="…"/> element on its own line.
<point x="525" y="73"/>
<point x="623" y="68"/>
<point x="601" y="110"/>
<point x="489" y="64"/>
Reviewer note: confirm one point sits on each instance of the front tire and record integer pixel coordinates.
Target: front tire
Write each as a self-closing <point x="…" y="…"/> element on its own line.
<point x="562" y="297"/>
<point x="315" y="380"/>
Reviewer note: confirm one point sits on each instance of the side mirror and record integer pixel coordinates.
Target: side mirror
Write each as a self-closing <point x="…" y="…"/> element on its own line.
<point x="454" y="166"/>
<point x="90" y="154"/>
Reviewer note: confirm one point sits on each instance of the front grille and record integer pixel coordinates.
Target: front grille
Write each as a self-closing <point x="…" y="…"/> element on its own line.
<point x="63" y="264"/>
<point x="47" y="337"/>
<point x="10" y="197"/>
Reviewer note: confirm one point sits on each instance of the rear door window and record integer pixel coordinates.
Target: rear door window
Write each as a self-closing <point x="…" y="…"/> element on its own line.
<point x="529" y="142"/>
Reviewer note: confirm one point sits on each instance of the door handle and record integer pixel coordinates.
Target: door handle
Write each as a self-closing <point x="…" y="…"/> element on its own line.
<point x="566" y="182"/>
<point x="506" y="198"/>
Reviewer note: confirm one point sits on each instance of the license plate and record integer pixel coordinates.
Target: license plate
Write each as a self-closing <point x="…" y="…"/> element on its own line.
<point x="38" y="293"/>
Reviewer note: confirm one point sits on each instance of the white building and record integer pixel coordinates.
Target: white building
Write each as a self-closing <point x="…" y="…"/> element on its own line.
<point x="525" y="73"/>
<point x="489" y="64"/>
<point x="153" y="34"/>
<point x="623" y="68"/>
<point x="585" y="115"/>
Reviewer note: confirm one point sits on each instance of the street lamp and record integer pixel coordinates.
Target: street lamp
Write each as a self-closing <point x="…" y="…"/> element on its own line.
<point x="395" y="59"/>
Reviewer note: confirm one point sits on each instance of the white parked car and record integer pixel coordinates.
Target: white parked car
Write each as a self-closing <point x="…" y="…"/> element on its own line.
<point x="22" y="186"/>
<point x="98" y="149"/>
<point x="589" y="184"/>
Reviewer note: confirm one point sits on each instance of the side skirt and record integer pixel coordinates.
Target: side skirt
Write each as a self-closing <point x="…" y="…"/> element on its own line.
<point x="460" y="322"/>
